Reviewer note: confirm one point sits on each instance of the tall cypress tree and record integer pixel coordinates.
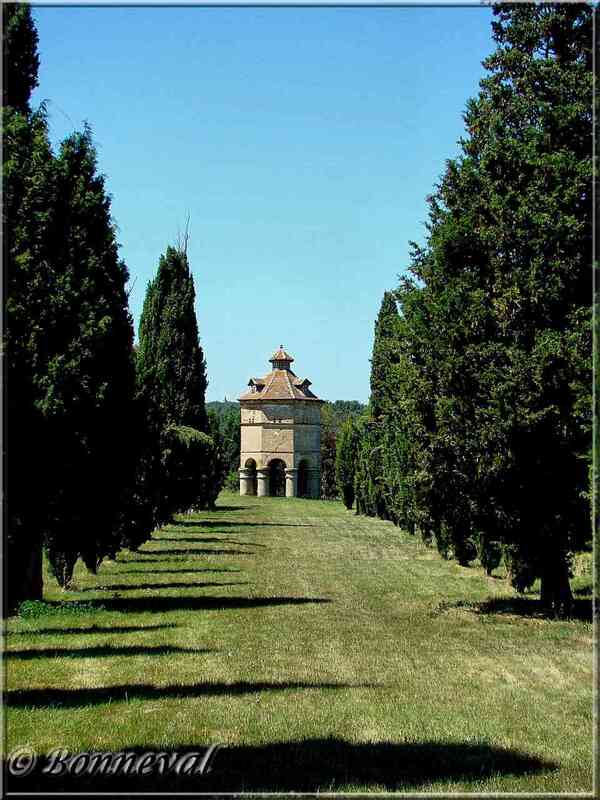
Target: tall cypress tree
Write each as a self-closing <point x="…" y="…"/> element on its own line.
<point x="503" y="320"/>
<point x="86" y="378"/>
<point x="179" y="463"/>
<point x="20" y="56"/>
<point x="486" y="421"/>
<point x="370" y="485"/>
<point x="385" y="354"/>
<point x="68" y="340"/>
<point x="170" y="363"/>
<point x="29" y="311"/>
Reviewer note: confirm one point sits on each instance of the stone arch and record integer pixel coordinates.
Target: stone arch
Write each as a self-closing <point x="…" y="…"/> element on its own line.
<point x="277" y="467"/>
<point x="303" y="479"/>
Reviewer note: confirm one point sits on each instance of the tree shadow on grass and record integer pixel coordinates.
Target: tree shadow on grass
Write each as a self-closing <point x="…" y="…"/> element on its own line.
<point x="521" y="607"/>
<point x="74" y="698"/>
<point x="203" y="540"/>
<point x="199" y="551"/>
<point x="94" y="629"/>
<point x="125" y="587"/>
<point x="166" y="561"/>
<point x="232" y="524"/>
<point x="104" y="650"/>
<point x="230" y="508"/>
<point x="168" y="571"/>
<point x="159" y="604"/>
<point x="312" y="765"/>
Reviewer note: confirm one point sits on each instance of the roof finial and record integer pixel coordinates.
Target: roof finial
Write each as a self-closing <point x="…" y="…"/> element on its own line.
<point x="280" y="359"/>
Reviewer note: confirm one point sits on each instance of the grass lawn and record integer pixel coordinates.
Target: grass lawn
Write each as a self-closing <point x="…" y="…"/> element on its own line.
<point x="324" y="651"/>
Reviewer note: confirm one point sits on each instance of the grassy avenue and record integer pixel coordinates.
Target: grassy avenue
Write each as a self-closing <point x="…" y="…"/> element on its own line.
<point x="324" y="651"/>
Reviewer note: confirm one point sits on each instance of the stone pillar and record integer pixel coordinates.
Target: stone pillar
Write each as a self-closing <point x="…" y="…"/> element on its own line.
<point x="246" y="481"/>
<point x="262" y="482"/>
<point x="314" y="483"/>
<point x="291" y="482"/>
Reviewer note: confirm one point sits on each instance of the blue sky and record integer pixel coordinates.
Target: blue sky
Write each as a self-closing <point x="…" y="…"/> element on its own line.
<point x="301" y="141"/>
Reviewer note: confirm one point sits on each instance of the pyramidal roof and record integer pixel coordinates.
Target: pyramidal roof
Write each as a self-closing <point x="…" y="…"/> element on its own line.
<point x="281" y="383"/>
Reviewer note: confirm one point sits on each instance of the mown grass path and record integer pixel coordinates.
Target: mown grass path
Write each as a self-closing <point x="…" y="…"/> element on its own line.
<point x="326" y="651"/>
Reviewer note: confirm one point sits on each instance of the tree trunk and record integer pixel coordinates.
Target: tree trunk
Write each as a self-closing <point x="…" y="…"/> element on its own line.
<point x="555" y="594"/>
<point x="23" y="572"/>
<point x="348" y="495"/>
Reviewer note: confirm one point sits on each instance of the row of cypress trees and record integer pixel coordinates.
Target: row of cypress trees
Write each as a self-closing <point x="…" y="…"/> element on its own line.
<point x="101" y="444"/>
<point x="479" y="429"/>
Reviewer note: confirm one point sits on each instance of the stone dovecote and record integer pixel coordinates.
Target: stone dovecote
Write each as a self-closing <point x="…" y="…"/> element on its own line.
<point x="280" y="434"/>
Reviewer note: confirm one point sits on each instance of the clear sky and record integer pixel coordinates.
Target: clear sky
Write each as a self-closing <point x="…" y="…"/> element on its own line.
<point x="301" y="141"/>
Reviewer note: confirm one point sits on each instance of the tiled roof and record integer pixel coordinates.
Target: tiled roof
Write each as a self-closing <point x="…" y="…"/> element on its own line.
<point x="281" y="355"/>
<point x="301" y="381"/>
<point x="280" y="383"/>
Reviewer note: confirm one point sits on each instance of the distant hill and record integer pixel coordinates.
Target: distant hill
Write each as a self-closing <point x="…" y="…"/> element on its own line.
<point x="222" y="406"/>
<point x="333" y="413"/>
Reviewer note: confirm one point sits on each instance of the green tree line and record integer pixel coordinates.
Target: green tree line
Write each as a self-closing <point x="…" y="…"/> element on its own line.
<point x="479" y="428"/>
<point x="103" y="442"/>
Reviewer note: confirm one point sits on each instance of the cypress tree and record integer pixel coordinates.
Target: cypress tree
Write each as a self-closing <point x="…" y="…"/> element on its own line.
<point x="385" y="354"/>
<point x="345" y="461"/>
<point x="369" y="480"/>
<point x="503" y="319"/>
<point x="180" y="465"/>
<point x="170" y="363"/>
<point x="67" y="337"/>
<point x="334" y="416"/>
<point x="329" y="487"/>
<point x="85" y="377"/>
<point x="29" y="311"/>
<point x="230" y="436"/>
<point x="372" y="488"/>
<point x="20" y="56"/>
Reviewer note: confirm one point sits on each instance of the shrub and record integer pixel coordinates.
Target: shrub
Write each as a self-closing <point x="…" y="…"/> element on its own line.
<point x="187" y="458"/>
<point x="232" y="481"/>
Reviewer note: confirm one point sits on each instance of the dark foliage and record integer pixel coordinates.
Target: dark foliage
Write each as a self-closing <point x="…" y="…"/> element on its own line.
<point x="345" y="461"/>
<point x="85" y="373"/>
<point x="67" y="339"/>
<point x="329" y="487"/>
<point x="482" y="433"/>
<point x="179" y="463"/>
<point x="225" y="427"/>
<point x="20" y="56"/>
<point x="170" y="365"/>
<point x="385" y="354"/>
<point x="333" y="416"/>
